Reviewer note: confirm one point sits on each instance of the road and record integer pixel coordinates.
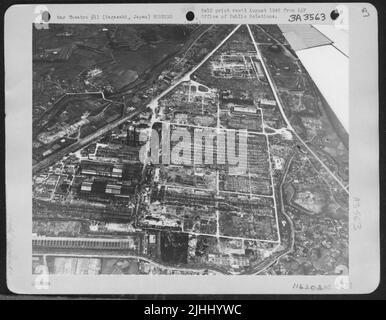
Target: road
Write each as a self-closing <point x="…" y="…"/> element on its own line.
<point x="291" y="247"/>
<point x="54" y="157"/>
<point x="192" y="44"/>
<point x="280" y="106"/>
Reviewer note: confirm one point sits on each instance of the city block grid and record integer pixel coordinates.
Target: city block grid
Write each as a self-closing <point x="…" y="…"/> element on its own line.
<point x="103" y="204"/>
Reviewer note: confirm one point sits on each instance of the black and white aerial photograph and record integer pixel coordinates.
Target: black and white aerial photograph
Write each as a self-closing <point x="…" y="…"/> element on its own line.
<point x="189" y="157"/>
<point x="195" y="149"/>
